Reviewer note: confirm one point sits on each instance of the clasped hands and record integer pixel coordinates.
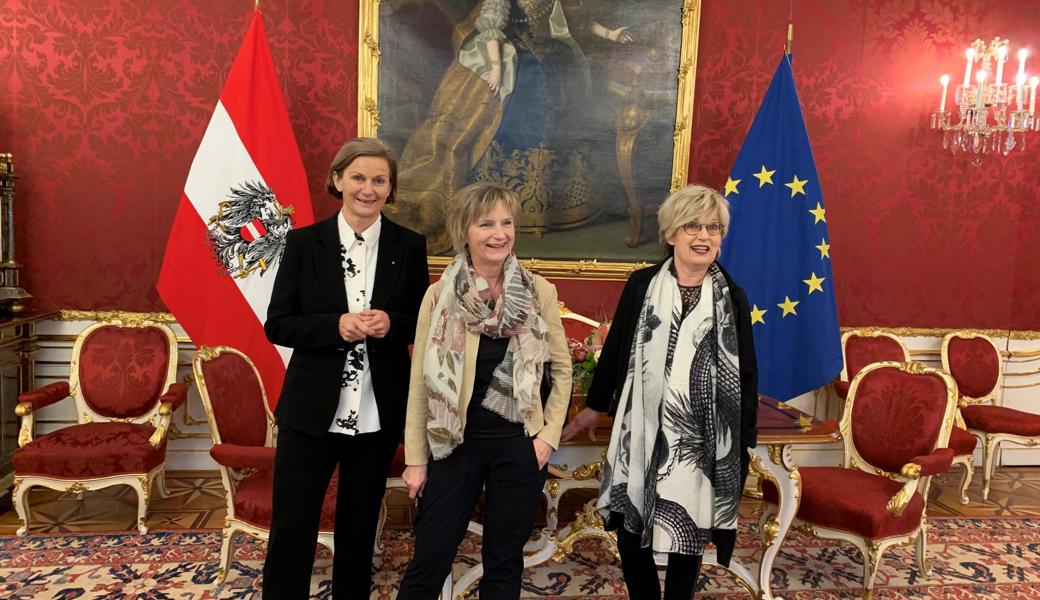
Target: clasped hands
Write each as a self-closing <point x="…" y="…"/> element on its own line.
<point x="354" y="327"/>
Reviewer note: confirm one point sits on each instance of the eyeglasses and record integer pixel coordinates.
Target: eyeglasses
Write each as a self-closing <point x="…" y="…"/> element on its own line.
<point x="694" y="228"/>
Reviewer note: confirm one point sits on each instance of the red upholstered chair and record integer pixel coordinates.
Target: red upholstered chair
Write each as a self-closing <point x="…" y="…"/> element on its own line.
<point x="122" y="382"/>
<point x="861" y="347"/>
<point x="242" y="428"/>
<point x="896" y="425"/>
<point x="975" y="362"/>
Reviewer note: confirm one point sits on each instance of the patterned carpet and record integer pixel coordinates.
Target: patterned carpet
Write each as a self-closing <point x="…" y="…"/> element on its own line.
<point x="970" y="557"/>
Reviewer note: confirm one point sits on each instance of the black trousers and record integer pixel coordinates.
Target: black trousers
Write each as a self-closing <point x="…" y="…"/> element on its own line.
<point x="302" y="471"/>
<point x="507" y="470"/>
<point x="640" y="571"/>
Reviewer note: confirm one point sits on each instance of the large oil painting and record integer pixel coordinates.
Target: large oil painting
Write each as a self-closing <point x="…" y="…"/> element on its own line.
<point x="581" y="107"/>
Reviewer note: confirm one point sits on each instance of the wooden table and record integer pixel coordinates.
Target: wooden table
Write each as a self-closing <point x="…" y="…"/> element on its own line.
<point x="780" y="426"/>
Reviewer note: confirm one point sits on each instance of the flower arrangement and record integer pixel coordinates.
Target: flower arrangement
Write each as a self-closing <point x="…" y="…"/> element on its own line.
<point x="584" y="355"/>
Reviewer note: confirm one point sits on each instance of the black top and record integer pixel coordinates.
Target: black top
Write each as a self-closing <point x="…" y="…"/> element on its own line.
<point x="306" y="303"/>
<point x="482" y="423"/>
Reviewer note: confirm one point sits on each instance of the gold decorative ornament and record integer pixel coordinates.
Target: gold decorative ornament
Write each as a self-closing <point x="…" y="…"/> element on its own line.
<point x="911" y="471"/>
<point x="805" y="529"/>
<point x="587" y="524"/>
<point x="146" y="487"/>
<point x="776" y="453"/>
<point x="770" y="529"/>
<point x="128" y="319"/>
<point x="589" y="471"/>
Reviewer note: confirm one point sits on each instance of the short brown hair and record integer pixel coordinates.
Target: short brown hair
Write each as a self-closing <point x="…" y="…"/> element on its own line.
<point x="686" y="205"/>
<point x="351" y="151"/>
<point x="474" y="201"/>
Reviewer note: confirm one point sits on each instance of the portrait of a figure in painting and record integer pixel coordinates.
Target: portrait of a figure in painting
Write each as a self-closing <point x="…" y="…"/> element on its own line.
<point x="572" y="104"/>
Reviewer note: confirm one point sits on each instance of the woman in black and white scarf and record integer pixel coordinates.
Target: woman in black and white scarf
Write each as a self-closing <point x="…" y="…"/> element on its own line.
<point x="678" y="372"/>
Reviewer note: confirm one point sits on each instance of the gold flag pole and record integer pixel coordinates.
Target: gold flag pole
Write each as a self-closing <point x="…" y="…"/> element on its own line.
<point x="790" y="30"/>
<point x="256" y="4"/>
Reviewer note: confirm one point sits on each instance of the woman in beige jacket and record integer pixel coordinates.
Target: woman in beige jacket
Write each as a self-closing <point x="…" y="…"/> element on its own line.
<point x="488" y="332"/>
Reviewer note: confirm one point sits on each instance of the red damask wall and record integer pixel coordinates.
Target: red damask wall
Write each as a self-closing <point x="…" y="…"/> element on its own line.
<point x="103" y="103"/>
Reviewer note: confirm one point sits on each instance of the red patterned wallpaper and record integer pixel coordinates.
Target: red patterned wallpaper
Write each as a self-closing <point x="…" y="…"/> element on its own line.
<point x="105" y="101"/>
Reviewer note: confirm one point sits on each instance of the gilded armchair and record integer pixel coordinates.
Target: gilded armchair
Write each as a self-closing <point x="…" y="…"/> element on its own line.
<point x="861" y="347"/>
<point x="975" y="362"/>
<point x="242" y="429"/>
<point x="122" y="382"/>
<point x="896" y="426"/>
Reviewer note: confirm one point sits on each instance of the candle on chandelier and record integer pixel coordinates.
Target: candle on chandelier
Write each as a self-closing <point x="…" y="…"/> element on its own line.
<point x="1020" y="83"/>
<point x="980" y="77"/>
<point x="945" y="81"/>
<point x="970" y="55"/>
<point x="1001" y="57"/>
<point x="1033" y="81"/>
<point x="1022" y="54"/>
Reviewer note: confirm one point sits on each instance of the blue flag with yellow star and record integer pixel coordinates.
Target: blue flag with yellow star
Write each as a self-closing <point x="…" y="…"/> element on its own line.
<point x="778" y="250"/>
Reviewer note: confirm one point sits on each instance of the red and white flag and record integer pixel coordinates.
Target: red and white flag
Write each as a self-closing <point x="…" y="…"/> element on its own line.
<point x="245" y="191"/>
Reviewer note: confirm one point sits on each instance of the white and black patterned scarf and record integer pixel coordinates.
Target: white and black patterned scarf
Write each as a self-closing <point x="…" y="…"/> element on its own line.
<point x="673" y="463"/>
<point x="464" y="304"/>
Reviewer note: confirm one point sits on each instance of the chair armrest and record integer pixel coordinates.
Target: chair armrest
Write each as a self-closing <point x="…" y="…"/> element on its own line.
<point x="243" y="457"/>
<point x="938" y="461"/>
<point x="33" y="400"/>
<point x="175" y="396"/>
<point x="44" y="396"/>
<point x="170" y="401"/>
<point x="842" y="388"/>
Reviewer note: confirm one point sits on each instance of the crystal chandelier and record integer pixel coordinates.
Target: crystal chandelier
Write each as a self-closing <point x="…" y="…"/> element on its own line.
<point x="993" y="116"/>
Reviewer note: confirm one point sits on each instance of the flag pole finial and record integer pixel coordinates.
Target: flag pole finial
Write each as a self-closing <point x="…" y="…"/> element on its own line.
<point x="256" y="4"/>
<point x="790" y="37"/>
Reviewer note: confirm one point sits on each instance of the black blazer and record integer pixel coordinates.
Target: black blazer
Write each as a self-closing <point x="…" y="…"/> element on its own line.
<point x="308" y="298"/>
<point x="612" y="366"/>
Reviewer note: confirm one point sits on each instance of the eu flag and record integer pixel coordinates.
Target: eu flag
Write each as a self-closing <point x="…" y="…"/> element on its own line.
<point x="778" y="249"/>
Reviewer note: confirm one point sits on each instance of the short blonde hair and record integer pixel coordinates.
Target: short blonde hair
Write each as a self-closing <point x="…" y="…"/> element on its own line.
<point x="689" y="204"/>
<point x="473" y="202"/>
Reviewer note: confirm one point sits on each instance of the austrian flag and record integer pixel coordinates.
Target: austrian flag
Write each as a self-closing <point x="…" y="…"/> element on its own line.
<point x="245" y="191"/>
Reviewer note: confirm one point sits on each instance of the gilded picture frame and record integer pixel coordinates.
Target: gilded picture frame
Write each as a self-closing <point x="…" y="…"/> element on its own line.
<point x="604" y="96"/>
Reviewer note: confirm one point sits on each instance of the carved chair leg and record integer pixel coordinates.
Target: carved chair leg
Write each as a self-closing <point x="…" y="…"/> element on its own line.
<point x="379" y="526"/>
<point x="164" y="492"/>
<point x="227" y="547"/>
<point x="989" y="458"/>
<point x="20" y="499"/>
<point x="922" y="550"/>
<point x="969" y="471"/>
<point x="143" y="488"/>
<point x="871" y="562"/>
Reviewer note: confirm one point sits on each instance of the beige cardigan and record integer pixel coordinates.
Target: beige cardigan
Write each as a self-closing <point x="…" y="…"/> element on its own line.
<point x="546" y="424"/>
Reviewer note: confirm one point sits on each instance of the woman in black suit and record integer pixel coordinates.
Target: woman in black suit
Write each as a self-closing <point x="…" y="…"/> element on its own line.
<point x="345" y="300"/>
<point x="679" y="374"/>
